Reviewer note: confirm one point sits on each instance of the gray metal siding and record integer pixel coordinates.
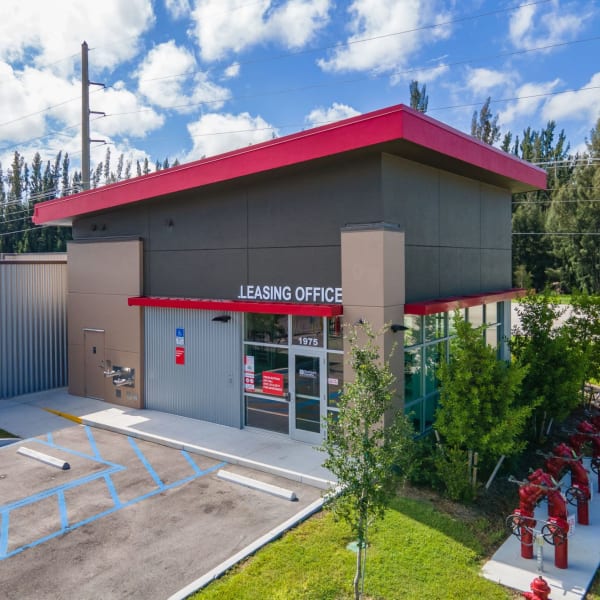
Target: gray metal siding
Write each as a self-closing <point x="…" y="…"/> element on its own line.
<point x="208" y="386"/>
<point x="33" y="327"/>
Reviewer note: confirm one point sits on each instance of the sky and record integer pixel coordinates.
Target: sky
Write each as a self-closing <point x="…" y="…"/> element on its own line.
<point x="186" y="79"/>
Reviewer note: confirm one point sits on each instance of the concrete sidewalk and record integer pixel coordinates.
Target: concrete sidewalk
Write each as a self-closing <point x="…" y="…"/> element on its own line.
<point x="271" y="453"/>
<point x="508" y="568"/>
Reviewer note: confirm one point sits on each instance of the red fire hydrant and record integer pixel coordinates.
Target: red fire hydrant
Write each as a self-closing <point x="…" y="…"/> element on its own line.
<point x="539" y="590"/>
<point x="555" y="531"/>
<point x="565" y="458"/>
<point x="588" y="433"/>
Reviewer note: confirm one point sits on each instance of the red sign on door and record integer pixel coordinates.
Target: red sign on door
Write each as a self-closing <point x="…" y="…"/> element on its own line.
<point x="273" y="383"/>
<point x="179" y="355"/>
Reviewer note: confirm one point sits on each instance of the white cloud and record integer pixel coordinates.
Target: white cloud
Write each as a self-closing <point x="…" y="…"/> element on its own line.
<point x="383" y="20"/>
<point x="225" y="26"/>
<point x="482" y="81"/>
<point x="216" y="133"/>
<point x="178" y="8"/>
<point x="531" y="97"/>
<point x="424" y="75"/>
<point x="579" y="105"/>
<point x="336" y="112"/>
<point x="29" y="97"/>
<point x="232" y="71"/>
<point x="531" y="27"/>
<point x="126" y="115"/>
<point x="167" y="74"/>
<point x="52" y="32"/>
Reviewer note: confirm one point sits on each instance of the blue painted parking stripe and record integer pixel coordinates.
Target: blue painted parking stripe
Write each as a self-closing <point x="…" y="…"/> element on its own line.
<point x="107" y="512"/>
<point x="76" y="453"/>
<point x="196" y="468"/>
<point x="55" y="490"/>
<point x="112" y="490"/>
<point x="62" y="507"/>
<point x="90" y="437"/>
<point x="146" y="464"/>
<point x="193" y="464"/>
<point x="50" y="438"/>
<point x="4" y="535"/>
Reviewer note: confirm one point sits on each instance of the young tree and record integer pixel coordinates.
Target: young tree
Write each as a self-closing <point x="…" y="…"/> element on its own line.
<point x="366" y="458"/>
<point x="554" y="370"/>
<point x="583" y="328"/>
<point x="479" y="409"/>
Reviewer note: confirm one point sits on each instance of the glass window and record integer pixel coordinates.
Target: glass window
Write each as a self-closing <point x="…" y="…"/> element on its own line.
<point x="335" y="333"/>
<point x="267" y="414"/>
<point x="307" y="331"/>
<point x="435" y="326"/>
<point x="431" y="403"/>
<point x="491" y="313"/>
<point x="268" y="329"/>
<point x="414" y="412"/>
<point x="476" y="316"/>
<point x="265" y="370"/>
<point x="491" y="336"/>
<point x="335" y="378"/>
<point x="413" y="388"/>
<point x="413" y="335"/>
<point x="433" y="357"/>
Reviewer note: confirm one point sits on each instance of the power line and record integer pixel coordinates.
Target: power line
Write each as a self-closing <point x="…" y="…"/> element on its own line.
<point x="24" y="230"/>
<point x="592" y="233"/>
<point x="362" y="40"/>
<point x="373" y="38"/>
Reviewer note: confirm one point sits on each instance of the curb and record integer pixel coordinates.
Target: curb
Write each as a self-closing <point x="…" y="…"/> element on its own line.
<point x="317" y="482"/>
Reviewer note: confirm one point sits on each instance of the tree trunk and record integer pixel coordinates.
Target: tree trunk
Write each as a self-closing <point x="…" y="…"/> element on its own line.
<point x="357" y="575"/>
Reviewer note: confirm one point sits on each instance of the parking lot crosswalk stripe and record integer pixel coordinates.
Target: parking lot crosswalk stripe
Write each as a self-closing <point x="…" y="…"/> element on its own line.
<point x="92" y="440"/>
<point x="62" y="507"/>
<point x="146" y="464"/>
<point x="191" y="461"/>
<point x="4" y="534"/>
<point x="112" y="490"/>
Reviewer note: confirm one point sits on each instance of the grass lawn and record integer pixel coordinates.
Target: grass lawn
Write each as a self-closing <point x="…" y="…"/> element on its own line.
<point x="416" y="552"/>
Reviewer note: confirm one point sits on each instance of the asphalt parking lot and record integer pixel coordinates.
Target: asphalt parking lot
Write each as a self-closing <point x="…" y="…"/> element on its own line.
<point x="129" y="519"/>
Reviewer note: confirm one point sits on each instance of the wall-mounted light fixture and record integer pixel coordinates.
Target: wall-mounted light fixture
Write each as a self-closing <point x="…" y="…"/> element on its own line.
<point x="395" y="327"/>
<point x="222" y="318"/>
<point x="360" y="322"/>
<point x="169" y="223"/>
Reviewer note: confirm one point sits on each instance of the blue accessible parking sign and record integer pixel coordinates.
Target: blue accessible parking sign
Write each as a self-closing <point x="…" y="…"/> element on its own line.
<point x="180" y="336"/>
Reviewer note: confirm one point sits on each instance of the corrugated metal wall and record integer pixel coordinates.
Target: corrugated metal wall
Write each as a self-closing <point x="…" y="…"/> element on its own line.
<point x="208" y="386"/>
<point x="33" y="327"/>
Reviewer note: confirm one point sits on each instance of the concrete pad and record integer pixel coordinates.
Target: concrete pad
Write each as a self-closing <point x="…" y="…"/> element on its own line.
<point x="508" y="568"/>
<point x="265" y="452"/>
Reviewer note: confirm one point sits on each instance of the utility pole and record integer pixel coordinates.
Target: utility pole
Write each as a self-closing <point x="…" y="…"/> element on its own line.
<point x="85" y="117"/>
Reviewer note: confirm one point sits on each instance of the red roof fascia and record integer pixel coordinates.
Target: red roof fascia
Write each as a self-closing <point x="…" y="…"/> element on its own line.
<point x="442" y="138"/>
<point x="275" y="308"/>
<point x="439" y="305"/>
<point x="378" y="127"/>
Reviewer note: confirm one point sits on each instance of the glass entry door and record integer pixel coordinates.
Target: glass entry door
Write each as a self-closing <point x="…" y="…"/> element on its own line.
<point x="307" y="395"/>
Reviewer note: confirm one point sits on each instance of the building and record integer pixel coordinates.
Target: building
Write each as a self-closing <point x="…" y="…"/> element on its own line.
<point x="217" y="289"/>
<point x="33" y="323"/>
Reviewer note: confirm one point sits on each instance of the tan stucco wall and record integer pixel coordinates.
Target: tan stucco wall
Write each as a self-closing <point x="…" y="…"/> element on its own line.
<point x="373" y="284"/>
<point x="101" y="276"/>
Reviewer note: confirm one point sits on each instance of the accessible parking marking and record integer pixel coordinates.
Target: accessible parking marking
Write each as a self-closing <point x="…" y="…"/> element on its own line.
<point x="105" y="474"/>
